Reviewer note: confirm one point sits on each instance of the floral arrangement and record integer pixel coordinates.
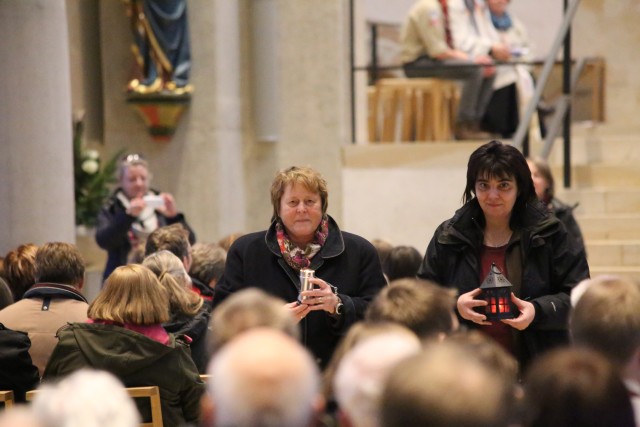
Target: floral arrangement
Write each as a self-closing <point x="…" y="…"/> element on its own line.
<point x="92" y="178"/>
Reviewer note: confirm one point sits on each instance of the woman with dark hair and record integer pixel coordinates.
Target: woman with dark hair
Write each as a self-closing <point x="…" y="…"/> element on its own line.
<point x="503" y="222"/>
<point x="544" y="185"/>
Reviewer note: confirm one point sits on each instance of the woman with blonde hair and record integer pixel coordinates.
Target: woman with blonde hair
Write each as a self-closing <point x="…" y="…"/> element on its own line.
<point x="188" y="314"/>
<point x="124" y="336"/>
<point x="303" y="236"/>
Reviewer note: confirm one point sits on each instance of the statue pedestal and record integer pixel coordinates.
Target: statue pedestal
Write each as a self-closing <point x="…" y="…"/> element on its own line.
<point x="160" y="112"/>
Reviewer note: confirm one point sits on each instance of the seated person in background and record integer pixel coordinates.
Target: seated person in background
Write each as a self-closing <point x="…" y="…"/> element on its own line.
<point x="487" y="351"/>
<point x="422" y="306"/>
<point x="17" y="372"/>
<point x="248" y="309"/>
<point x="472" y="32"/>
<point x="575" y="388"/>
<point x="6" y="297"/>
<point x="383" y="247"/>
<point x="362" y="373"/>
<point x="263" y="378"/>
<point x="206" y="268"/>
<point x="19" y="269"/>
<point x="226" y="241"/>
<point x="189" y="315"/>
<point x="133" y="211"/>
<point x="52" y="302"/>
<point x="358" y="333"/>
<point x="606" y="319"/>
<point x="544" y="185"/>
<point x="403" y="262"/>
<point x="125" y="336"/>
<point x="513" y="88"/>
<point x="99" y="400"/>
<point x="428" y="51"/>
<point x="173" y="238"/>
<point x="445" y="386"/>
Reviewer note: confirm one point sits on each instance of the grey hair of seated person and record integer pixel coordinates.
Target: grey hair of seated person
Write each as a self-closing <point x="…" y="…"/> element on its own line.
<point x="246" y="309"/>
<point x="263" y="378"/>
<point x="208" y="262"/>
<point x="363" y="371"/>
<point x="86" y="398"/>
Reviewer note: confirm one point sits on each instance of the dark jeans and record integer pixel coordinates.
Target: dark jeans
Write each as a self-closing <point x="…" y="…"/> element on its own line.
<point x="476" y="89"/>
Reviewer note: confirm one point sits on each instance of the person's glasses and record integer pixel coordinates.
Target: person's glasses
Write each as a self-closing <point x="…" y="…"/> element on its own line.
<point x="129" y="158"/>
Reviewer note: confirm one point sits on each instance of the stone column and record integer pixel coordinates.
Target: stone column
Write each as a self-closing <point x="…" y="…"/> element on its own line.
<point x="311" y="55"/>
<point x="36" y="167"/>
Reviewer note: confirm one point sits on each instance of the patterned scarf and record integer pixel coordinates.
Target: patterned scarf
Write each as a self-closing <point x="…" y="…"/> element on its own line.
<point x="294" y="256"/>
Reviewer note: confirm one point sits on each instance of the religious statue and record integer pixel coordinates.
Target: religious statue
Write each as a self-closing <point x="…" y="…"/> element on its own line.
<point x="161" y="46"/>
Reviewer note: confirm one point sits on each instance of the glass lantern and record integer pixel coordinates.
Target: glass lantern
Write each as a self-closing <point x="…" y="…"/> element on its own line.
<point x="496" y="291"/>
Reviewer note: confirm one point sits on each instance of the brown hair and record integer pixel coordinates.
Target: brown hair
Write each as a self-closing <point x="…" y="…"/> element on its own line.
<point x="226" y="241"/>
<point x="174" y="238"/>
<point x="170" y="271"/>
<point x="306" y="176"/>
<point x="59" y="262"/>
<point x="606" y="318"/>
<point x="422" y="306"/>
<point x="247" y="309"/>
<point x="20" y="269"/>
<point x="545" y="171"/>
<point x="131" y="294"/>
<point x="575" y="387"/>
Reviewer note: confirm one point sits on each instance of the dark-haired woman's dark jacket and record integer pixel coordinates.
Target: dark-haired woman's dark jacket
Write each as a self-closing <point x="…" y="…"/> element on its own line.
<point x="346" y="261"/>
<point x="542" y="263"/>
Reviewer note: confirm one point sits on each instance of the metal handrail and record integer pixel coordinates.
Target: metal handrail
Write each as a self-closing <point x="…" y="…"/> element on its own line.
<point x="565" y="106"/>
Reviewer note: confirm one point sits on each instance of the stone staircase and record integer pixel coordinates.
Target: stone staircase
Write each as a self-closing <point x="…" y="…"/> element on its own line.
<point x="606" y="184"/>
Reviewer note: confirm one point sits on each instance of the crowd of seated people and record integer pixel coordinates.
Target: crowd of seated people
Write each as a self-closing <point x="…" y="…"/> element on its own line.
<point x="405" y="362"/>
<point x="401" y="356"/>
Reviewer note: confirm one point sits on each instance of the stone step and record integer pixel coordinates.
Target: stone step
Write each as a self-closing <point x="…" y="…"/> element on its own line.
<point x="613" y="252"/>
<point x="632" y="273"/>
<point x="601" y="200"/>
<point x="597" y="145"/>
<point x="609" y="226"/>
<point x="624" y="175"/>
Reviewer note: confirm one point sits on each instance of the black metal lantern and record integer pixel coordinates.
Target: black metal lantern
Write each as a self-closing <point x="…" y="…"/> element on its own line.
<point x="496" y="291"/>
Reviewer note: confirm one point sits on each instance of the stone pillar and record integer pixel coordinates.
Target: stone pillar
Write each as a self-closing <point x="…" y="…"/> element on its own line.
<point x="311" y="51"/>
<point x="36" y="167"/>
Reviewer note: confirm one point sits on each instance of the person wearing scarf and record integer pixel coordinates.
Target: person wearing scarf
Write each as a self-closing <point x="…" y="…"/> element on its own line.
<point x="302" y="235"/>
<point x="132" y="212"/>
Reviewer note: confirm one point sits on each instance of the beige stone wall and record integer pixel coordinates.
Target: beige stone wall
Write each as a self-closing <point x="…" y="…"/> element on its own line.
<point x="218" y="170"/>
<point x="609" y="28"/>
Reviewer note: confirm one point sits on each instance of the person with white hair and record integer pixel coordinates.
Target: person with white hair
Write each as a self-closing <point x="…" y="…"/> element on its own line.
<point x="264" y="378"/>
<point x="362" y="373"/>
<point x="86" y="398"/>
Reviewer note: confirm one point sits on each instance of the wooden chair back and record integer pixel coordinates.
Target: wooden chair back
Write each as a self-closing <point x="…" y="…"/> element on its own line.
<point x="150" y="392"/>
<point x="6" y="397"/>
